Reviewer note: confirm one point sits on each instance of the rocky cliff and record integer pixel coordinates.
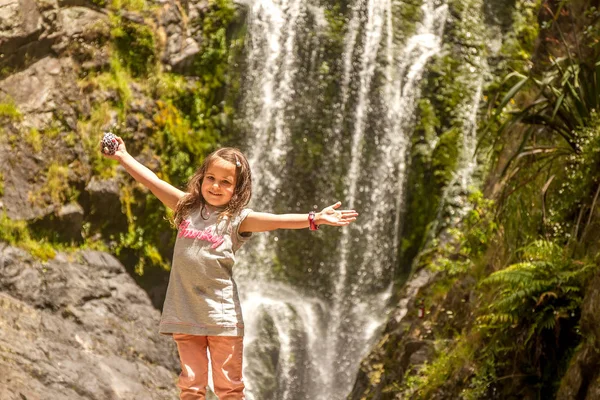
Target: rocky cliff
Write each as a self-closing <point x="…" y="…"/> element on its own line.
<point x="78" y="327"/>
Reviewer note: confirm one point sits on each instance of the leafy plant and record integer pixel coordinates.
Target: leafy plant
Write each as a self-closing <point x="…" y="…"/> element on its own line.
<point x="538" y="291"/>
<point x="567" y="95"/>
<point x="530" y="324"/>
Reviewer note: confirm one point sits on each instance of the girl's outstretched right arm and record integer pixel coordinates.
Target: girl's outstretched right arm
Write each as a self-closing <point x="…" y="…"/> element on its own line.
<point x="166" y="193"/>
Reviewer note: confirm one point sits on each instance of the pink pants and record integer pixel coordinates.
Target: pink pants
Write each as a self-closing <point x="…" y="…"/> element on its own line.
<point x="226" y="361"/>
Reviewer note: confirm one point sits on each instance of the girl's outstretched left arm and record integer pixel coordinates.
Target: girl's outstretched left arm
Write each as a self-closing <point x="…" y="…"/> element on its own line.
<point x="262" y="222"/>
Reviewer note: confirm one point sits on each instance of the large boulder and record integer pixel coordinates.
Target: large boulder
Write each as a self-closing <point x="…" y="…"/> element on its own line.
<point x="78" y="327"/>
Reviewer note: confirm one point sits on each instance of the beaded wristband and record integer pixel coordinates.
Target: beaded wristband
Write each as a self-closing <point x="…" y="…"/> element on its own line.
<point x="311" y="221"/>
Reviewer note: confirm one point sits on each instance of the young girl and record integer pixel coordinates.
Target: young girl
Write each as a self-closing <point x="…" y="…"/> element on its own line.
<point x="202" y="308"/>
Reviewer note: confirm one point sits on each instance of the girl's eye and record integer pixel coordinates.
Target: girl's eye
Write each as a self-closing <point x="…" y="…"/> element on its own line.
<point x="210" y="178"/>
<point x="227" y="182"/>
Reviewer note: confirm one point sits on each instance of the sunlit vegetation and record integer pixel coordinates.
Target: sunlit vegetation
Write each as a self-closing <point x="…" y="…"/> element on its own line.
<point x="529" y="255"/>
<point x="9" y="111"/>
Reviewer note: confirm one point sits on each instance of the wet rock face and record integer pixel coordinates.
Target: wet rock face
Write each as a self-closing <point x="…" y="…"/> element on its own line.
<point x="404" y="346"/>
<point x="78" y="327"/>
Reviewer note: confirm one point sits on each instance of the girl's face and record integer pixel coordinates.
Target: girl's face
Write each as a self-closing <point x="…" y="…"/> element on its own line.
<point x="219" y="183"/>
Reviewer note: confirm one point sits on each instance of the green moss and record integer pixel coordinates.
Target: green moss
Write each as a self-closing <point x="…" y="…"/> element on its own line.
<point x="336" y="21"/>
<point x="445" y="156"/>
<point x="57" y="183"/>
<point x="90" y="134"/>
<point x="407" y="14"/>
<point x="129" y="5"/>
<point x="449" y="363"/>
<point x="117" y="79"/>
<point x="443" y="114"/>
<point x="9" y="111"/>
<point x="138" y="246"/>
<point x="56" y="189"/>
<point x="168" y="86"/>
<point x="1" y="184"/>
<point x="135" y="45"/>
<point x="179" y="142"/>
<point x="17" y="234"/>
<point x="34" y="139"/>
<point x="519" y="43"/>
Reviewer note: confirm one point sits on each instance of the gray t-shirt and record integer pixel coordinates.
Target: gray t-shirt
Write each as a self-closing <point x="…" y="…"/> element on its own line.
<point x="202" y="297"/>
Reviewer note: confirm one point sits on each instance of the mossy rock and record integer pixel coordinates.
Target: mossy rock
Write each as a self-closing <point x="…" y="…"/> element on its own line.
<point x="445" y="156"/>
<point x="136" y="46"/>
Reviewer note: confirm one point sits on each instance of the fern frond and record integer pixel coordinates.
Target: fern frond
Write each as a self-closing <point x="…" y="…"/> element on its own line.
<point x="544" y="296"/>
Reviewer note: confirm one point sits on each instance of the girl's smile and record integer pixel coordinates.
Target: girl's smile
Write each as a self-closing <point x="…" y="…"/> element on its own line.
<point x="218" y="184"/>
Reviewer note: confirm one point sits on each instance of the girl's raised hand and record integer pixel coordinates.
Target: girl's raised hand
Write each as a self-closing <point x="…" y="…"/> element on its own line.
<point x="332" y="216"/>
<point x="120" y="152"/>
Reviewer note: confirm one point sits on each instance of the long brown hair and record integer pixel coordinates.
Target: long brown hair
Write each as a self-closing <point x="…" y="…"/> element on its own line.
<point x="241" y="194"/>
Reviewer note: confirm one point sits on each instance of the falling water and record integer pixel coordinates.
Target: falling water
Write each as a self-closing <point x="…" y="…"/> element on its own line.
<point x="310" y="346"/>
<point x="297" y="320"/>
<point x="404" y="71"/>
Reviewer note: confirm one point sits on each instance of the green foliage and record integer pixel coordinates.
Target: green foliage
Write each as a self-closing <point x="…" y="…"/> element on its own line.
<point x="445" y="156"/>
<point x="90" y="134"/>
<point x="9" y="111"/>
<point x="34" y="139"/>
<point x="530" y="321"/>
<point x="135" y="45"/>
<point x="57" y="182"/>
<point x="566" y="180"/>
<point x="205" y="109"/>
<point x="182" y="145"/>
<point x="467" y="243"/>
<point x="129" y="5"/>
<point x="450" y="362"/>
<point x="423" y="198"/>
<point x="568" y="94"/>
<point x="17" y="234"/>
<point x="336" y="23"/>
<point x="590" y="32"/>
<point x="519" y="42"/>
<point x="147" y="253"/>
<point x="56" y="189"/>
<point x="537" y="292"/>
<point x="211" y="65"/>
<point x="407" y="14"/>
<point x="140" y="240"/>
<point x="116" y="79"/>
<point x="444" y="113"/>
<point x="168" y="86"/>
<point x="100" y="3"/>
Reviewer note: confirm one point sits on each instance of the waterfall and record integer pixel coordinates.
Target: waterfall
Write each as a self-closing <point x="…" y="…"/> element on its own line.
<point x="404" y="70"/>
<point x="309" y="346"/>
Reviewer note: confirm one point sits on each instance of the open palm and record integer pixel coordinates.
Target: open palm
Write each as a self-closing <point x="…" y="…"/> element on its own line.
<point x="332" y="216"/>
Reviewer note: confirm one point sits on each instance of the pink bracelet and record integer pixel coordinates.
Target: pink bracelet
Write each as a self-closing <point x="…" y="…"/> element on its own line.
<point x="311" y="221"/>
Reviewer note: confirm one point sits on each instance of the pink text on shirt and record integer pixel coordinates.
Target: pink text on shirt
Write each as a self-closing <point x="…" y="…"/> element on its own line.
<point x="206" y="234"/>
